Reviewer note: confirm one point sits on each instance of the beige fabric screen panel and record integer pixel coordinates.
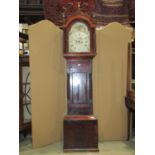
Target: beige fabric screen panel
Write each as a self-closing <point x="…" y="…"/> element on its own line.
<point x="109" y="81"/>
<point x="48" y="83"/>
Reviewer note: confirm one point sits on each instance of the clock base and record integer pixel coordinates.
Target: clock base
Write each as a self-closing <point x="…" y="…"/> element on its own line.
<point x="80" y="133"/>
<point x="82" y="150"/>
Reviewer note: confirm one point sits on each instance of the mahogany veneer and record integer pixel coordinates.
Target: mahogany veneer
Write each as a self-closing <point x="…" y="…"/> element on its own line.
<point x="80" y="126"/>
<point x="80" y="133"/>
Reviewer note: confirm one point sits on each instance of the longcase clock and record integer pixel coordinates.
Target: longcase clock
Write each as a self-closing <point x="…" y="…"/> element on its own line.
<point x="80" y="126"/>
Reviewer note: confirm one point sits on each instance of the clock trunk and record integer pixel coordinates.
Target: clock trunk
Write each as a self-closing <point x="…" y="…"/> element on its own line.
<point x="79" y="83"/>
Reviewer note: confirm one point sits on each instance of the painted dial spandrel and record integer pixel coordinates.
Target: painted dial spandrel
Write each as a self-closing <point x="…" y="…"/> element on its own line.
<point x="79" y="38"/>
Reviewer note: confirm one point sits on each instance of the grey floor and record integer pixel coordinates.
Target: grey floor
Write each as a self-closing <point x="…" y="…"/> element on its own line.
<point x="106" y="148"/>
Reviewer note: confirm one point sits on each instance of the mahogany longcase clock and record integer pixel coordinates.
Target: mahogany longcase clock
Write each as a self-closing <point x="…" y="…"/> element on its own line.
<point x="80" y="126"/>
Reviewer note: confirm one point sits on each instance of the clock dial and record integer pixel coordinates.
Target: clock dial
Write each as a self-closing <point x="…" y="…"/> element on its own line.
<point x="79" y="38"/>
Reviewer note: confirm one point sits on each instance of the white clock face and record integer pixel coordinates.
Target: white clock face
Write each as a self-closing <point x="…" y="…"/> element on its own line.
<point x="79" y="38"/>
